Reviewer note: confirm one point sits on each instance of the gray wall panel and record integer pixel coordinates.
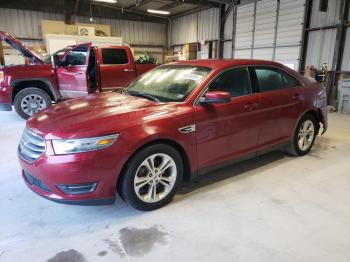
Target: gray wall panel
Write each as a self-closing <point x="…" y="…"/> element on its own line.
<point x="321" y="48"/>
<point x="208" y="24"/>
<point x="346" y="54"/>
<point x="27" y="24"/>
<point x="195" y="27"/>
<point x="330" y="17"/>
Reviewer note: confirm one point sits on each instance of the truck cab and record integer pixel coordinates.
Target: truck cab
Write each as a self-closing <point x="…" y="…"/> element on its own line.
<point x="74" y="72"/>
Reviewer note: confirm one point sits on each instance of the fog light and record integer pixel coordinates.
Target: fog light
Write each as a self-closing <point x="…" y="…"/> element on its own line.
<point x="78" y="189"/>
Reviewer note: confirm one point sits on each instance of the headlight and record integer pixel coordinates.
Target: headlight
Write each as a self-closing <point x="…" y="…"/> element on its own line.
<point x="2" y="76"/>
<point x="72" y="146"/>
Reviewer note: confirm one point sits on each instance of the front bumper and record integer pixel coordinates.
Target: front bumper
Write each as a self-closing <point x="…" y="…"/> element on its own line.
<point x="5" y="98"/>
<point x="324" y="118"/>
<point x="50" y="172"/>
<point x="84" y="202"/>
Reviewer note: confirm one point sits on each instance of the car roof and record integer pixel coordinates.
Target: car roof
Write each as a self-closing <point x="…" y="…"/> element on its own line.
<point x="214" y="63"/>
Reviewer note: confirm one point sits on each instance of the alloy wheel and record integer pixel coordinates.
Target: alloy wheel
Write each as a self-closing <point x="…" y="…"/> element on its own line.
<point x="306" y="135"/>
<point x="155" y="178"/>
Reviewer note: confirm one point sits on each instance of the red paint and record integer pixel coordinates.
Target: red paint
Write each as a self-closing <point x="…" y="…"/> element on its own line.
<point x="224" y="131"/>
<point x="65" y="81"/>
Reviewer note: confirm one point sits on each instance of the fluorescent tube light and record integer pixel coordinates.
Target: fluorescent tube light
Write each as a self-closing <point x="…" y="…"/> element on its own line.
<point x="107" y="1"/>
<point x="160" y="12"/>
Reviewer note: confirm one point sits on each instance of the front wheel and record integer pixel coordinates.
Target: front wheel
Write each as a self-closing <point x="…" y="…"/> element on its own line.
<point x="30" y="101"/>
<point x="152" y="177"/>
<point x="304" y="136"/>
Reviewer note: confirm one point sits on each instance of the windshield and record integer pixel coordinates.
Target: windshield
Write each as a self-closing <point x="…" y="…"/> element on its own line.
<point x="47" y="58"/>
<point x="169" y="83"/>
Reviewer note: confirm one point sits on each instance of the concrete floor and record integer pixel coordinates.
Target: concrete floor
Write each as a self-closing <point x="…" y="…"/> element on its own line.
<point x="273" y="208"/>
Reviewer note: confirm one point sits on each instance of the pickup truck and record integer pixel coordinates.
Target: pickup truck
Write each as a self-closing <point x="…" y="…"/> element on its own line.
<point x="72" y="72"/>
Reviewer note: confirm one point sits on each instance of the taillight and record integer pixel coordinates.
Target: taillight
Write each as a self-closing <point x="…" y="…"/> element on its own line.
<point x="2" y="76"/>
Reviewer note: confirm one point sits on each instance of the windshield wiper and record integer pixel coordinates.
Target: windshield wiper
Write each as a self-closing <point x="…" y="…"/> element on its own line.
<point x="139" y="94"/>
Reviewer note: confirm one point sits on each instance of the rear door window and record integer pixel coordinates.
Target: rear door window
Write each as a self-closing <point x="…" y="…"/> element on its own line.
<point x="268" y="78"/>
<point x="114" y="56"/>
<point x="236" y="81"/>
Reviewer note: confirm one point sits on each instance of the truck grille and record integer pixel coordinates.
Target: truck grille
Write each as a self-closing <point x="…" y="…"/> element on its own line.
<point x="31" y="146"/>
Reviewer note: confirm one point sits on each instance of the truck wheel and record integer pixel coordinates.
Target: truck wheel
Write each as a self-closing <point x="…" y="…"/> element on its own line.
<point x="30" y="101"/>
<point x="151" y="177"/>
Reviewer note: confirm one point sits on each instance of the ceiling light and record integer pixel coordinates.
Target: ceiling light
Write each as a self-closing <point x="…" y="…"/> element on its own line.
<point x="107" y="1"/>
<point x="160" y="12"/>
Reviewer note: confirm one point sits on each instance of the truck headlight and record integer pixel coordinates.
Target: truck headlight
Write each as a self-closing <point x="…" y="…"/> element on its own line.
<point x="2" y="76"/>
<point x="73" y="146"/>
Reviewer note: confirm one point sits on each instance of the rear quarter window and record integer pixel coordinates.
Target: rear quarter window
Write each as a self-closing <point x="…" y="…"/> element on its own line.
<point x="290" y="81"/>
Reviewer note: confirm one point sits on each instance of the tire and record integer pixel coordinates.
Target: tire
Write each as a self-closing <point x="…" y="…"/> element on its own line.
<point x="304" y="136"/>
<point x="30" y="101"/>
<point x="137" y="181"/>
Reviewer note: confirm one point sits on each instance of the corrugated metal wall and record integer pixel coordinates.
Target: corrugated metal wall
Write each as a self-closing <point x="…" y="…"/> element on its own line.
<point x="346" y="54"/>
<point x="208" y="24"/>
<point x="261" y="34"/>
<point x="195" y="27"/>
<point x="133" y="32"/>
<point x="289" y="32"/>
<point x="321" y="48"/>
<point x="23" y="23"/>
<point x="321" y="43"/>
<point x="330" y="17"/>
<point x="244" y="31"/>
<point x="27" y="24"/>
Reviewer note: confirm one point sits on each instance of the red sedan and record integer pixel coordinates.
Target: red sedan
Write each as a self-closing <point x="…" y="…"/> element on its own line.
<point x="172" y="123"/>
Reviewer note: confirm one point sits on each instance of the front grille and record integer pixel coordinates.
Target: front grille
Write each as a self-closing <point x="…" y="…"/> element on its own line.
<point x="31" y="146"/>
<point x="36" y="182"/>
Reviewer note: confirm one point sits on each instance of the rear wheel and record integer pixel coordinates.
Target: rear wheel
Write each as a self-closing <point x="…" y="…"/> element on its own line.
<point x="304" y="136"/>
<point x="30" y="101"/>
<point x="152" y="177"/>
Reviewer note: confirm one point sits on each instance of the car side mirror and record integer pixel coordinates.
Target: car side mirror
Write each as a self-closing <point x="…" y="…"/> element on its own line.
<point x="216" y="97"/>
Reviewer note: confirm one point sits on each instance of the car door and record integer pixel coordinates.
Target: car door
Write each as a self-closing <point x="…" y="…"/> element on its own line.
<point x="72" y="73"/>
<point x="116" y="69"/>
<point x="229" y="130"/>
<point x="281" y="106"/>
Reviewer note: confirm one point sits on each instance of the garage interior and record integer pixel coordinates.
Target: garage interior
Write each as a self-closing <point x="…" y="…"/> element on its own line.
<point x="271" y="208"/>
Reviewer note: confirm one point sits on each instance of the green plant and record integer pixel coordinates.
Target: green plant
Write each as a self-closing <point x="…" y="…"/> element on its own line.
<point x="146" y="59"/>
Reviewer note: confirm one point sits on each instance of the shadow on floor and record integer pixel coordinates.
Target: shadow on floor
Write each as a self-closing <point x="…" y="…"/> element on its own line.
<point x="232" y="171"/>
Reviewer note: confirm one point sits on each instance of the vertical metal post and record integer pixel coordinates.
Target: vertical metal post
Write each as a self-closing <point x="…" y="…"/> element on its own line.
<point x="276" y="30"/>
<point x="338" y="50"/>
<point x="222" y="30"/>
<point x="305" y="37"/>
<point x="253" y="36"/>
<point x="234" y="27"/>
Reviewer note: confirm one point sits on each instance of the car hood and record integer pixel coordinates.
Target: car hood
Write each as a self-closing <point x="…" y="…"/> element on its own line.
<point x="20" y="47"/>
<point x="96" y="115"/>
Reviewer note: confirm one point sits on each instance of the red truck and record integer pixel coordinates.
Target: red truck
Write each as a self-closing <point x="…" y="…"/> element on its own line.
<point x="73" y="72"/>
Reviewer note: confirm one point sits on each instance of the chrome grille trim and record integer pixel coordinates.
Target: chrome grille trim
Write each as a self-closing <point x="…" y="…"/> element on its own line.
<point x="31" y="146"/>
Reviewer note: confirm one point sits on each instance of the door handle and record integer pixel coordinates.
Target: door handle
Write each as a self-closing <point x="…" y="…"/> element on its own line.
<point x="80" y="73"/>
<point x="251" y="106"/>
<point x="128" y="70"/>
